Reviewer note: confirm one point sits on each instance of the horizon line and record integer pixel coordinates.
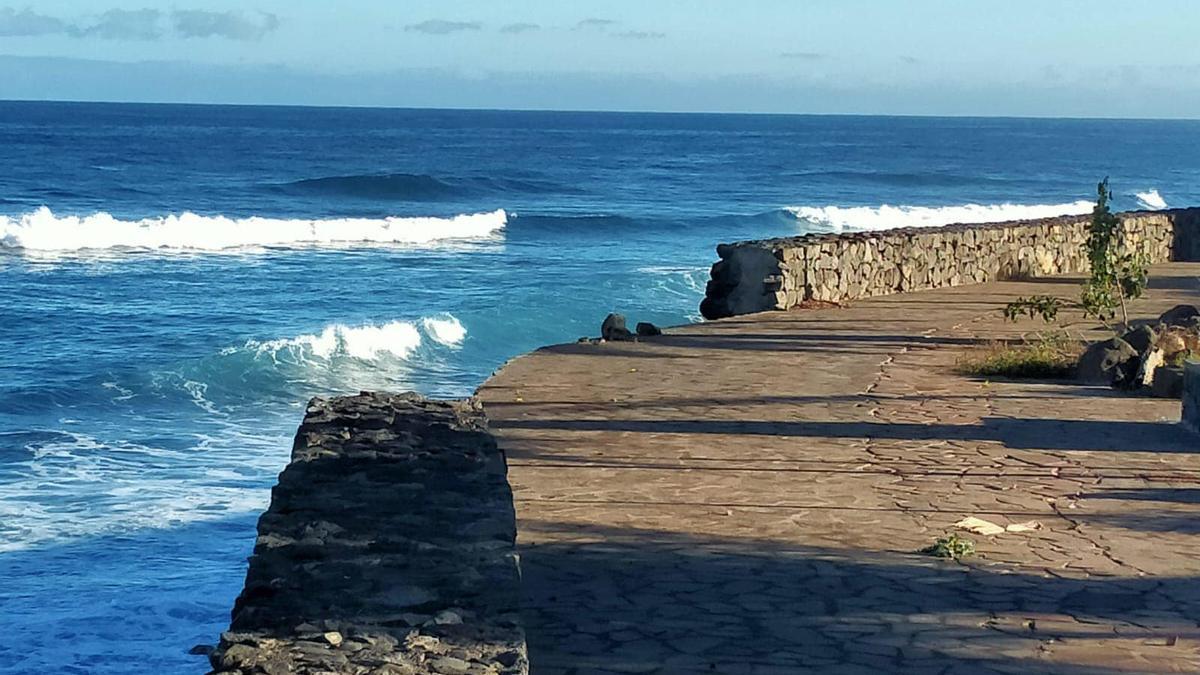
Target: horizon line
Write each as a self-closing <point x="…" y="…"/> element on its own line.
<point x="730" y="113"/>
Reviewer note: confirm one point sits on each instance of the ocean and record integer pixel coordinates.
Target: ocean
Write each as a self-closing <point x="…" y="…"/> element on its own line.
<point x="178" y="280"/>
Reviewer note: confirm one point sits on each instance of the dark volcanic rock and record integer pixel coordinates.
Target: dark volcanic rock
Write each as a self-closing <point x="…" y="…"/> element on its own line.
<point x="613" y="328"/>
<point x="1168" y="382"/>
<point x="647" y="329"/>
<point x="1180" y="315"/>
<point x="1112" y="362"/>
<point x="387" y="548"/>
<point x="1141" y="339"/>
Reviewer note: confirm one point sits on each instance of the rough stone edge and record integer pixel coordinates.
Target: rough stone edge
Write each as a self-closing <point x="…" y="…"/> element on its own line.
<point x="457" y="638"/>
<point x="1190" y="417"/>
<point x="750" y="276"/>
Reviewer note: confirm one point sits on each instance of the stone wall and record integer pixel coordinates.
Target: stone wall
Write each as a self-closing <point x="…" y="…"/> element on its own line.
<point x="1191" y="396"/>
<point x="388" y="548"/>
<point x="778" y="274"/>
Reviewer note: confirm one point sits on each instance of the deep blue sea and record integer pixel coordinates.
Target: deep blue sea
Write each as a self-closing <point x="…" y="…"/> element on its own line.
<point x="176" y="281"/>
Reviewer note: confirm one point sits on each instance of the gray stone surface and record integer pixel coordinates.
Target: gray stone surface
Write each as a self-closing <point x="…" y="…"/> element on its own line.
<point x="614" y="329"/>
<point x="388" y="548"/>
<point x="776" y="274"/>
<point x="748" y="496"/>
<point x="1191" y="396"/>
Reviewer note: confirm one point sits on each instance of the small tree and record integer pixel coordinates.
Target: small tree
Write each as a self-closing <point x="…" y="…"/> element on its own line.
<point x="1118" y="273"/>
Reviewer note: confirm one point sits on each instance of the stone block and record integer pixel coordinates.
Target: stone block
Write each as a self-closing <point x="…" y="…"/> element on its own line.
<point x="1191" y="396"/>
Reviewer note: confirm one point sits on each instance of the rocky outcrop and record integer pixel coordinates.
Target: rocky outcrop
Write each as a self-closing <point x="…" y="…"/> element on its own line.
<point x="647" y="329"/>
<point x="778" y="274"/>
<point x="1191" y="396"/>
<point x="613" y="329"/>
<point x="388" y="548"/>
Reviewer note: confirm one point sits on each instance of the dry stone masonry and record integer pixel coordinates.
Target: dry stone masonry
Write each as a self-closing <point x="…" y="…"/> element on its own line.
<point x="778" y="274"/>
<point x="388" y="548"/>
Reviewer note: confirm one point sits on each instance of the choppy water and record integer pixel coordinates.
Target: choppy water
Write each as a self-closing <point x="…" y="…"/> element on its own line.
<point x="178" y="280"/>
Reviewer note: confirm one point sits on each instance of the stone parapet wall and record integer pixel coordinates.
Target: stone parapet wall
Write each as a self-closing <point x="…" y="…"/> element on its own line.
<point x="388" y="548"/>
<point x="778" y="274"/>
<point x="1191" y="396"/>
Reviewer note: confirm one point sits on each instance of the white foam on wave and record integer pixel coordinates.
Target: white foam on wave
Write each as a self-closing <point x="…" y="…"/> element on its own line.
<point x="1151" y="200"/>
<point x="73" y="485"/>
<point x="396" y="340"/>
<point x="367" y="342"/>
<point x="445" y="329"/>
<point x="886" y="217"/>
<point x="42" y="230"/>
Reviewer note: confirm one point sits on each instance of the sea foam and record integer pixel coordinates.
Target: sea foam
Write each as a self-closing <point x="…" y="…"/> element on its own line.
<point x="1151" y="200"/>
<point x="860" y="218"/>
<point x="368" y="342"/>
<point x="42" y="230"/>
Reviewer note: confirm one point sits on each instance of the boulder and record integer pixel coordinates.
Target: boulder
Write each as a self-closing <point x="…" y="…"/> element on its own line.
<point x="1141" y="339"/>
<point x="613" y="329"/>
<point x="1180" y="315"/>
<point x="1111" y="362"/>
<point x="1168" y="382"/>
<point x="647" y="329"/>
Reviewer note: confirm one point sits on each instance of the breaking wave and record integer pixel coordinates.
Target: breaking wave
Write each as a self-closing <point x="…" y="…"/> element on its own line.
<point x="861" y="218"/>
<point x="42" y="230"/>
<point x="1151" y="200"/>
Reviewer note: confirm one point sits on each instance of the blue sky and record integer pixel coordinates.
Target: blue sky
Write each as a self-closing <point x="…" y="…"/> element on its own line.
<point x="1095" y="58"/>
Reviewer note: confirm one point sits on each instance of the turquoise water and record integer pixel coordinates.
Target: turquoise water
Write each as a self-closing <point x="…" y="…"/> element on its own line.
<point x="178" y="280"/>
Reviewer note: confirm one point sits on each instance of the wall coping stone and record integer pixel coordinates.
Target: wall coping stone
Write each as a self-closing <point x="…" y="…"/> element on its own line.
<point x="388" y="547"/>
<point x="785" y="272"/>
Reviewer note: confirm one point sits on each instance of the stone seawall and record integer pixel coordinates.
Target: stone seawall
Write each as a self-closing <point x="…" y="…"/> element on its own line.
<point x="778" y="274"/>
<point x="388" y="548"/>
<point x="1191" y="396"/>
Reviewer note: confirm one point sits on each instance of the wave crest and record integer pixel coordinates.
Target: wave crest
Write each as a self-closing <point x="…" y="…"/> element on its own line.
<point x="42" y="230"/>
<point x="886" y="217"/>
<point x="1151" y="200"/>
<point x="366" y="342"/>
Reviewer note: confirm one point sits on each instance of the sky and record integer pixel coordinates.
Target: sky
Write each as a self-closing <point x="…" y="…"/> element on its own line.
<point x="1072" y="58"/>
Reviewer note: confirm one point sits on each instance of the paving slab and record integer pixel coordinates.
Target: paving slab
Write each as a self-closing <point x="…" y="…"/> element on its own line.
<point x="748" y="496"/>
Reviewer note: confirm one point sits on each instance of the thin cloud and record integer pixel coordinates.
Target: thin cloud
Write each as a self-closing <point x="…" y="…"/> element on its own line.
<point x="804" y="56"/>
<point x="198" y="23"/>
<point x="518" y="28"/>
<point x="595" y="24"/>
<point x="28" y="22"/>
<point x="640" y="35"/>
<point x="442" y="27"/>
<point x="126" y="24"/>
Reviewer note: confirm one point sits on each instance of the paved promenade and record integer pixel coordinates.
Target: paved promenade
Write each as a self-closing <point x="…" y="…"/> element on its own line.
<point x="746" y="496"/>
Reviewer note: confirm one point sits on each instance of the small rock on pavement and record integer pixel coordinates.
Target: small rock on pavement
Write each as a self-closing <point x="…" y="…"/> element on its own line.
<point x="647" y="329"/>
<point x="613" y="329"/>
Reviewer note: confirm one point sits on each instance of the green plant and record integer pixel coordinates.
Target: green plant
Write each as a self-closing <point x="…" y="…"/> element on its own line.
<point x="1048" y="356"/>
<point x="1115" y="276"/>
<point x="950" y="546"/>
<point x="1046" y="306"/>
<point x="1117" y="273"/>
